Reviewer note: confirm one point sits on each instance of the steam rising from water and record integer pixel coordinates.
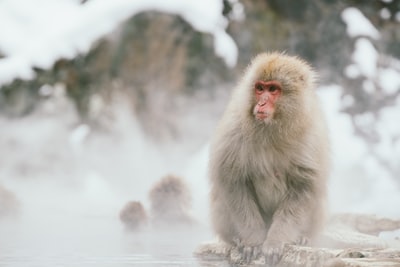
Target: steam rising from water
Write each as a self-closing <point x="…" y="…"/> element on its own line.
<point x="73" y="181"/>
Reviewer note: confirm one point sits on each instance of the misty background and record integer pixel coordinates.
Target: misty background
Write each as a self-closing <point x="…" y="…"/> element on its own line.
<point x="100" y="99"/>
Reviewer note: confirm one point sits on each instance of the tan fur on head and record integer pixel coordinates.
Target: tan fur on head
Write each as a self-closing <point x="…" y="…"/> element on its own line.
<point x="170" y="200"/>
<point x="133" y="215"/>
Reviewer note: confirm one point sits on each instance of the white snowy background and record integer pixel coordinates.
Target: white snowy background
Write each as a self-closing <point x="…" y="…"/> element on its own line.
<point x="54" y="164"/>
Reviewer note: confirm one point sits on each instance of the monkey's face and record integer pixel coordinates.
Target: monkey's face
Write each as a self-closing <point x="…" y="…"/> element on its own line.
<point x="279" y="86"/>
<point x="266" y="95"/>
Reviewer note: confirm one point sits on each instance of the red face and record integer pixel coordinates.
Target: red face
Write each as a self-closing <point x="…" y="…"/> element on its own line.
<point x="266" y="93"/>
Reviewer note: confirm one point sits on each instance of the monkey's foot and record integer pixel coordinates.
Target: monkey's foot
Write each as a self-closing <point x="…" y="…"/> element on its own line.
<point x="302" y="241"/>
<point x="216" y="248"/>
<point x="245" y="254"/>
<point x="273" y="254"/>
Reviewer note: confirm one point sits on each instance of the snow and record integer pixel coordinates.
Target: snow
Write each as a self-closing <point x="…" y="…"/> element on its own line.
<point x="237" y="12"/>
<point x="385" y="13"/>
<point x="225" y="48"/>
<point x="358" y="25"/>
<point x="366" y="175"/>
<point x="365" y="57"/>
<point x="389" y="79"/>
<point x="388" y="129"/>
<point x="359" y="182"/>
<point x="365" y="61"/>
<point x="368" y="86"/>
<point x="352" y="71"/>
<point x="40" y="32"/>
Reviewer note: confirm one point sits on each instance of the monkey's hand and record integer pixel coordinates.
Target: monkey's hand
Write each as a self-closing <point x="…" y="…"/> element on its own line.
<point x="245" y="254"/>
<point x="272" y="253"/>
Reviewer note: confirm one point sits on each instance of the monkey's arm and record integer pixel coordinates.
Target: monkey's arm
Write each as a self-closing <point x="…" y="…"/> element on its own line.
<point x="236" y="216"/>
<point x="299" y="215"/>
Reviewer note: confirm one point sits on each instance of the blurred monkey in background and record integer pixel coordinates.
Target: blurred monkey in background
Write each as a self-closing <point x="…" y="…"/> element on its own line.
<point x="170" y="201"/>
<point x="133" y="216"/>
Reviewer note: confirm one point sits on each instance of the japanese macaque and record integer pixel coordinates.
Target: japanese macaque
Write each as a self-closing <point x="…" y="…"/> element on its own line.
<point x="170" y="201"/>
<point x="269" y="160"/>
<point x="133" y="215"/>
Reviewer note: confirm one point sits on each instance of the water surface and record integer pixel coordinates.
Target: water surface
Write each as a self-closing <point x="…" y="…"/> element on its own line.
<point x="101" y="242"/>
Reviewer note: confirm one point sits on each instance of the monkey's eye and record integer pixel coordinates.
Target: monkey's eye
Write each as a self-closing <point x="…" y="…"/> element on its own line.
<point x="273" y="88"/>
<point x="259" y="87"/>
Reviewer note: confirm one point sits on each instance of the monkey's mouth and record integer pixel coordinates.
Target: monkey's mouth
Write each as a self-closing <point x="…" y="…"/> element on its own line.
<point x="261" y="115"/>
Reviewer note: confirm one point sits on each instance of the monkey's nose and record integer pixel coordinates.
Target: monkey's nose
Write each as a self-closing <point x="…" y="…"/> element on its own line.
<point x="261" y="103"/>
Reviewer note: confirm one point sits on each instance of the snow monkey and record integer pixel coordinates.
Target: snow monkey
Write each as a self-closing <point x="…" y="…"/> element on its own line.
<point x="170" y="201"/>
<point x="133" y="215"/>
<point x="269" y="160"/>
